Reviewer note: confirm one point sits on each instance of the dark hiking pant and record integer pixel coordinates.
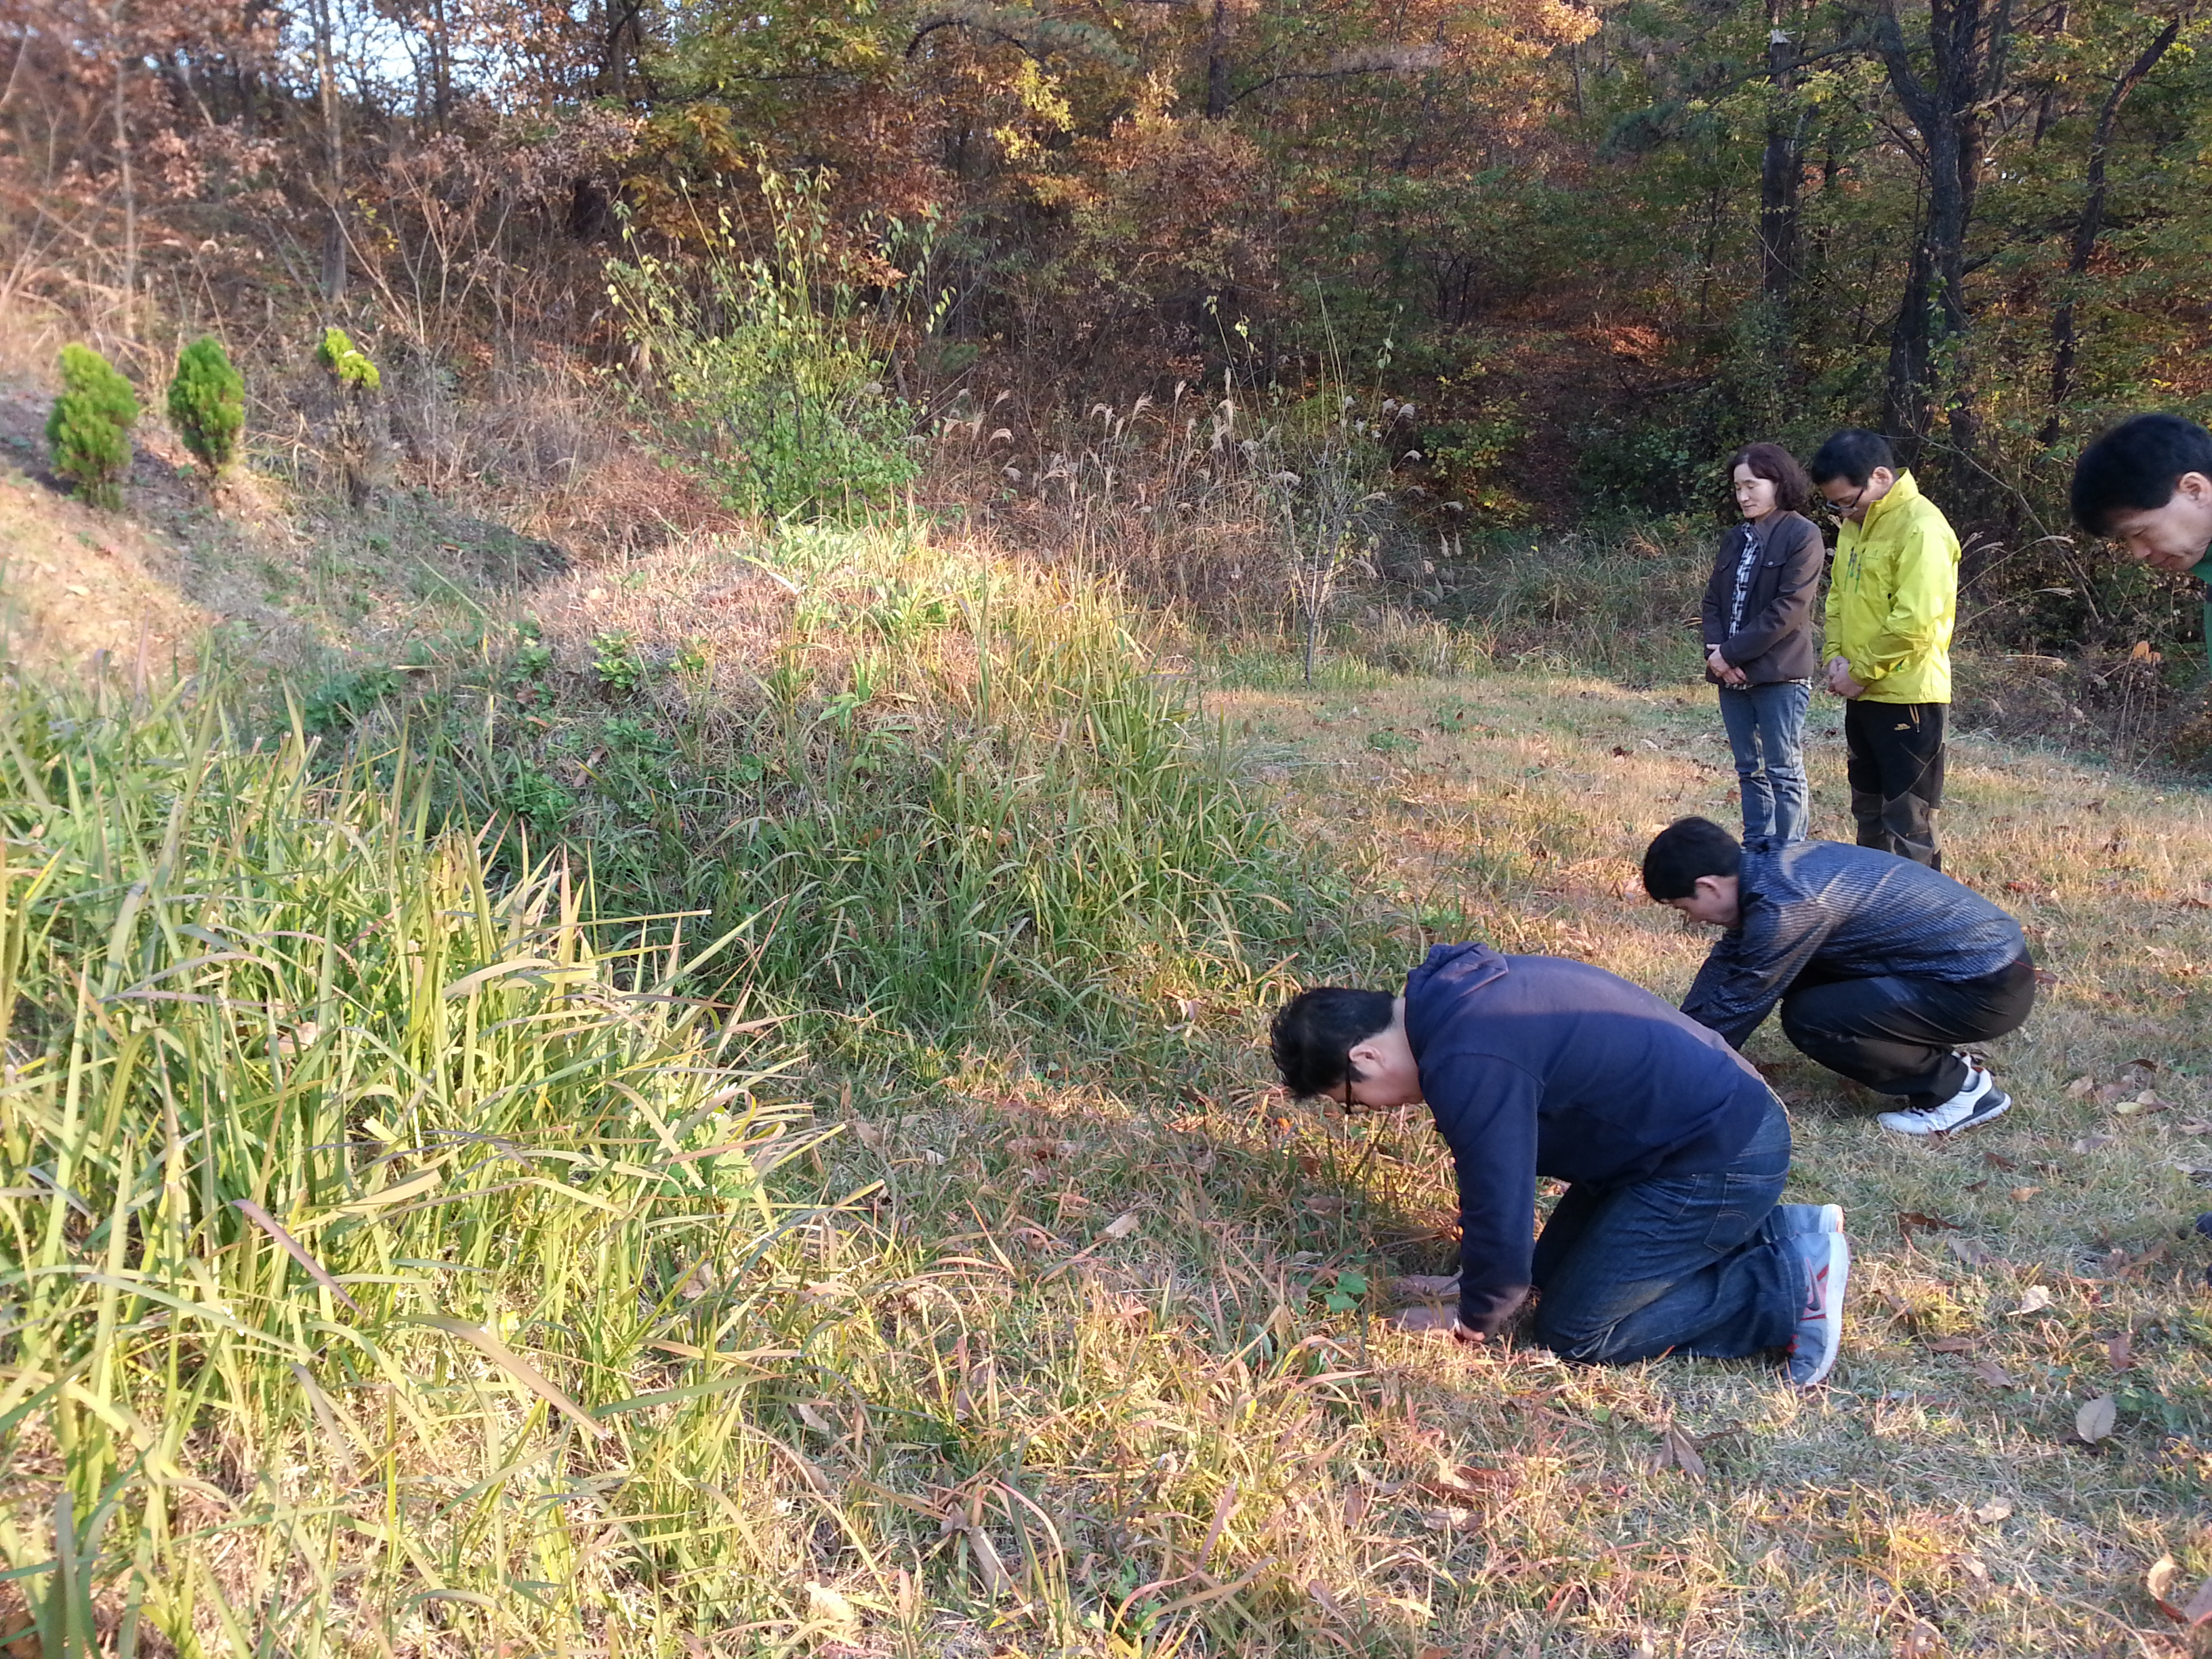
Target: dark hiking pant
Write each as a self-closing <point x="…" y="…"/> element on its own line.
<point x="1894" y="759"/>
<point x="1682" y="1264"/>
<point x="1897" y="1035"/>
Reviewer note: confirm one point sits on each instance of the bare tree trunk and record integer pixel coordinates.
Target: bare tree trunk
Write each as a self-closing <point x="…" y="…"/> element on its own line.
<point x="334" y="232"/>
<point x="1778" y="171"/>
<point x="1218" y="96"/>
<point x="2063" y="337"/>
<point x="1928" y="371"/>
<point x="126" y="177"/>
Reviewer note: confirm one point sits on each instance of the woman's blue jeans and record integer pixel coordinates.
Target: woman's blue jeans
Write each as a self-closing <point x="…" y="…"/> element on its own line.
<point x="1766" y="730"/>
<point x="1680" y="1264"/>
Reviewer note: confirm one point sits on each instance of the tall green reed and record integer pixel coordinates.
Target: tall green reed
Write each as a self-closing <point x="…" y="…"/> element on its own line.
<point x="962" y="799"/>
<point x="383" y="1262"/>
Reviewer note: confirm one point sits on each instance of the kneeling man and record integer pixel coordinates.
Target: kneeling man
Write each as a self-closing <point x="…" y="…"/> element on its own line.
<point x="1669" y="1239"/>
<point x="1883" y="967"/>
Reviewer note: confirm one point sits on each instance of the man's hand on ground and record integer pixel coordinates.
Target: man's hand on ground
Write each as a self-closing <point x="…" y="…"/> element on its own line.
<point x="1433" y="1322"/>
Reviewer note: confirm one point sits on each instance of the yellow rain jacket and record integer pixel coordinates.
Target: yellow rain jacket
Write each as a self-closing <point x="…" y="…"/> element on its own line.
<point x="1893" y="596"/>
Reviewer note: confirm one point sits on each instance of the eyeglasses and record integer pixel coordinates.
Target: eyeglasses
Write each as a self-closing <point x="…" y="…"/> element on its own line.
<point x="1845" y="509"/>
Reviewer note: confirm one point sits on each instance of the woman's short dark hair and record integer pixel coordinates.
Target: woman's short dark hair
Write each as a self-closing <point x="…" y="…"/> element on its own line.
<point x="1853" y="453"/>
<point x="1793" y="490"/>
<point x="1685" y="850"/>
<point x="1316" y="1030"/>
<point x="2136" y="464"/>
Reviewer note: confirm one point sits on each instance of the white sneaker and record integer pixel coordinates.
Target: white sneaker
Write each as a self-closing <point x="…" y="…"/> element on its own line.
<point x="1978" y="1103"/>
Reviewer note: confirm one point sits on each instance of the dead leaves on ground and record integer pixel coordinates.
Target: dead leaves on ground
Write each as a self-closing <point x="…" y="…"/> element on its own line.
<point x="2163" y="1579"/>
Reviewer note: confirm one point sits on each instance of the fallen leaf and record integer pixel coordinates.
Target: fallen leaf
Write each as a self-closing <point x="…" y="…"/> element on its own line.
<point x="2081" y="1085"/>
<point x="1919" y="1642"/>
<point x="1989" y="1371"/>
<point x="1968" y="1252"/>
<point x="2142" y="1063"/>
<point x="1951" y="1345"/>
<point x="827" y="1605"/>
<point x="2120" y="1351"/>
<point x="2094" y="1143"/>
<point x="1430" y="1651"/>
<point x="2035" y="1299"/>
<point x="2110" y="1094"/>
<point x="1120" y="1226"/>
<point x="1684" y="1452"/>
<point x="1908" y="1219"/>
<point x="2141" y="1105"/>
<point x="2194" y="1127"/>
<point x="2158" y="1581"/>
<point x="2095" y="1421"/>
<point x="1995" y="1510"/>
<point x="1998" y="1161"/>
<point x="2021" y="1195"/>
<point x="2020" y="887"/>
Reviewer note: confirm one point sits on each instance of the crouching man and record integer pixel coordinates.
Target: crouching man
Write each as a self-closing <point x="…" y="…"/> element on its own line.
<point x="1884" y="968"/>
<point x="1669" y="1238"/>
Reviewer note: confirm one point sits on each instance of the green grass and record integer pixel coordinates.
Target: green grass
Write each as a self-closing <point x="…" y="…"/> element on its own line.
<point x="1010" y="1311"/>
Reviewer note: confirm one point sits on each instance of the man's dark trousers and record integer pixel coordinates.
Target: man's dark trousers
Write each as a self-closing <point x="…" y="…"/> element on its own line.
<point x="1695" y="1264"/>
<point x="1897" y="1035"/>
<point x="1894" y="759"/>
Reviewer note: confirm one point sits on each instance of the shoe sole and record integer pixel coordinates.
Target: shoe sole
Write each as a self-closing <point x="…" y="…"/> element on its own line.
<point x="1831" y="1311"/>
<point x="1995" y="1104"/>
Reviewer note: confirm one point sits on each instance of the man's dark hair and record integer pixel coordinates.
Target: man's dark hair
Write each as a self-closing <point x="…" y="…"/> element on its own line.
<point x="2136" y="464"/>
<point x="1793" y="490"/>
<point x="1316" y="1030"/>
<point x="1852" y="454"/>
<point x="1683" y="851"/>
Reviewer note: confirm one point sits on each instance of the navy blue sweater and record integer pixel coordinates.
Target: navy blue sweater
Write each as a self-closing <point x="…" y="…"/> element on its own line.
<point x="1536" y="1065"/>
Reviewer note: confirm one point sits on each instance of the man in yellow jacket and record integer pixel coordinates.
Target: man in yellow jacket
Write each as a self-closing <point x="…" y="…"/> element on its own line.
<point x="1893" y="596"/>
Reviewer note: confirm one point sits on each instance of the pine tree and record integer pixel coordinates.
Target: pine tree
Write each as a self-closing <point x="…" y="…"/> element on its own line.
<point x="90" y="427"/>
<point x="207" y="404"/>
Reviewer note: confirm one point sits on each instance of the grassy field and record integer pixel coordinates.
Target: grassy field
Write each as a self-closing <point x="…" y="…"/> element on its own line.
<point x="933" y="1271"/>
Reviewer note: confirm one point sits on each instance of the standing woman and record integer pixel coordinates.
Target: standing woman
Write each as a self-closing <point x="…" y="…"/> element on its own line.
<point x="1758" y="638"/>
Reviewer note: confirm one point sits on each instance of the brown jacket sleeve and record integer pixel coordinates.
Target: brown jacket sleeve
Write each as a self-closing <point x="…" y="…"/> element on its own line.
<point x="1791" y="607"/>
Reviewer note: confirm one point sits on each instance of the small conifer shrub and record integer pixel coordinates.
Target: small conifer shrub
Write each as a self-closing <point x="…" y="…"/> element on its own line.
<point x="89" y="429"/>
<point x="207" y="404"/>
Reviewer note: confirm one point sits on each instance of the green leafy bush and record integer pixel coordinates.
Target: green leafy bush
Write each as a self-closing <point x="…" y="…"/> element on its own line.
<point x="207" y="404"/>
<point x="347" y="362"/>
<point x="616" y="661"/>
<point x="768" y="375"/>
<point x="90" y="427"/>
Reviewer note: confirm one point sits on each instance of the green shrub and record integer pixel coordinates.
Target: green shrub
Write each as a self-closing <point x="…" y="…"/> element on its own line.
<point x="616" y="661"/>
<point x="347" y="362"/>
<point x="90" y="427"/>
<point x="207" y="404"/>
<point x="769" y="376"/>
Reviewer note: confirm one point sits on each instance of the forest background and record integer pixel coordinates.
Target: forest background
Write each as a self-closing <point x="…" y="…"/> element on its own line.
<point x="1581" y="252"/>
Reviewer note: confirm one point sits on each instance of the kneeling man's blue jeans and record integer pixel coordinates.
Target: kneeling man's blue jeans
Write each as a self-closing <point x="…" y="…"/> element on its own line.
<point x="1683" y="1264"/>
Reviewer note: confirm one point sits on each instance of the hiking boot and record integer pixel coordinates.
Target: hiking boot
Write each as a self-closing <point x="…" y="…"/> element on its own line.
<point x="1979" y="1101"/>
<point x="1796" y="1220"/>
<point x="1820" y="1326"/>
